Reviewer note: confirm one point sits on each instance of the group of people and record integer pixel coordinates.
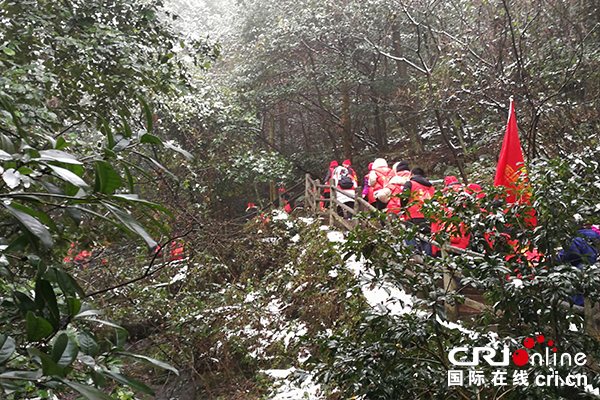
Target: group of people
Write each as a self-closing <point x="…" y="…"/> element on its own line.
<point x="399" y="190"/>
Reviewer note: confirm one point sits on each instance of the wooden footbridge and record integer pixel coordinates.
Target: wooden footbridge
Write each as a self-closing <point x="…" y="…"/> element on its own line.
<point x="474" y="302"/>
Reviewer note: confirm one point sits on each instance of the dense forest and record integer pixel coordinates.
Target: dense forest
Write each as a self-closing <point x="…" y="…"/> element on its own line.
<point x="135" y="134"/>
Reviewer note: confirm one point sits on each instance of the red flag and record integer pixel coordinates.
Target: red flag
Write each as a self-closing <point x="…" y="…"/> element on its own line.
<point x="511" y="167"/>
<point x="510" y="163"/>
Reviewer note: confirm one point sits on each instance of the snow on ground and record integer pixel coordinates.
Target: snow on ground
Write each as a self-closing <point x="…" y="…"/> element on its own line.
<point x="382" y="296"/>
<point x="286" y="388"/>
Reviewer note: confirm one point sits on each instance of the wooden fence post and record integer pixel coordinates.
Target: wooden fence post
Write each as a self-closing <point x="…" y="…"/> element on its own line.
<point x="450" y="286"/>
<point x="307" y="200"/>
<point x="332" y="205"/>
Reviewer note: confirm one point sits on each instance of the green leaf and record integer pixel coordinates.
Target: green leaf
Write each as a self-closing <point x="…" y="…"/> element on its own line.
<point x="120" y="143"/>
<point x="134" y="198"/>
<point x="52" y="188"/>
<point x="17" y="244"/>
<point x="49" y="367"/>
<point x="148" y="114"/>
<point x="8" y="51"/>
<point x="73" y="305"/>
<point x="10" y="385"/>
<point x="45" y="299"/>
<point x="88" y="391"/>
<point x="87" y="344"/>
<point x="131" y="224"/>
<point x="32" y="225"/>
<point x="153" y="161"/>
<point x="170" y="145"/>
<point x="4" y="156"/>
<point x="22" y="375"/>
<point x="37" y="328"/>
<point x="100" y="321"/>
<point x="150" y="361"/>
<point x="64" y="350"/>
<point x="87" y="313"/>
<point x="61" y="143"/>
<point x="107" y="179"/>
<point x="69" y="176"/>
<point x="134" y="384"/>
<point x="108" y="133"/>
<point x="122" y="335"/>
<point x="9" y="107"/>
<point x="99" y="379"/>
<point x="24" y="302"/>
<point x="42" y="216"/>
<point x="7" y="348"/>
<point x="37" y="262"/>
<point x="59" y="156"/>
<point x="130" y="184"/>
<point x="126" y="128"/>
<point x="140" y="170"/>
<point x="148" y="138"/>
<point x="68" y="284"/>
<point x="74" y="214"/>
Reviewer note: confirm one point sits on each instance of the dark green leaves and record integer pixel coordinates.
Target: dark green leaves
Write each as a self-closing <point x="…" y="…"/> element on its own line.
<point x="37" y="328"/>
<point x="151" y="361"/>
<point x="45" y="300"/>
<point x="7" y="348"/>
<point x="131" y="224"/>
<point x="87" y="344"/>
<point x="32" y="225"/>
<point x="64" y="350"/>
<point x="89" y="392"/>
<point x="136" y="385"/>
<point x="59" y="156"/>
<point x="107" y="179"/>
<point x="69" y="176"/>
<point x="147" y="113"/>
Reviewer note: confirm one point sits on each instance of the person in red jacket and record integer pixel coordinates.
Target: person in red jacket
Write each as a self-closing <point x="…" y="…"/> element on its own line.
<point x="348" y="165"/>
<point x="326" y="192"/>
<point x="458" y="234"/>
<point x="415" y="192"/>
<point x="379" y="177"/>
<point x="367" y="192"/>
<point x="396" y="186"/>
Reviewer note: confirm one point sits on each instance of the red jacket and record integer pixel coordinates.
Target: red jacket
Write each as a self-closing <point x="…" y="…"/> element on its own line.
<point x="420" y="190"/>
<point x="396" y="185"/>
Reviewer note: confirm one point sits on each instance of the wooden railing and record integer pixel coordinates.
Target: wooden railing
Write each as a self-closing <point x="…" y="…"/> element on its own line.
<point x="313" y="200"/>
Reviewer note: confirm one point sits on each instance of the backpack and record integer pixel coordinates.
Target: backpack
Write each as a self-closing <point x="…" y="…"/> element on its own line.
<point x="345" y="182"/>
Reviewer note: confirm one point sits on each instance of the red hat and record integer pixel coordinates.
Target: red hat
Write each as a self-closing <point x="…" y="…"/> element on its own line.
<point x="347" y="162"/>
<point x="281" y="189"/>
<point x="333" y="164"/>
<point x="450" y="180"/>
<point x="474" y="187"/>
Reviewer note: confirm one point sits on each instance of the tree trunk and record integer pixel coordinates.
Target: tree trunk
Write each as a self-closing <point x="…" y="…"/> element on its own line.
<point x="410" y="120"/>
<point x="380" y="134"/>
<point x="273" y="192"/>
<point x="347" y="122"/>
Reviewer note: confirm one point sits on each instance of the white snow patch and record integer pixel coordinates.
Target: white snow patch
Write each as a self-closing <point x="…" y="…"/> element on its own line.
<point x="250" y="297"/>
<point x="279" y="214"/>
<point x="295" y="238"/>
<point x="307" y="221"/>
<point x="286" y="389"/>
<point x="181" y="275"/>
<point x="518" y="283"/>
<point x="335" y="236"/>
